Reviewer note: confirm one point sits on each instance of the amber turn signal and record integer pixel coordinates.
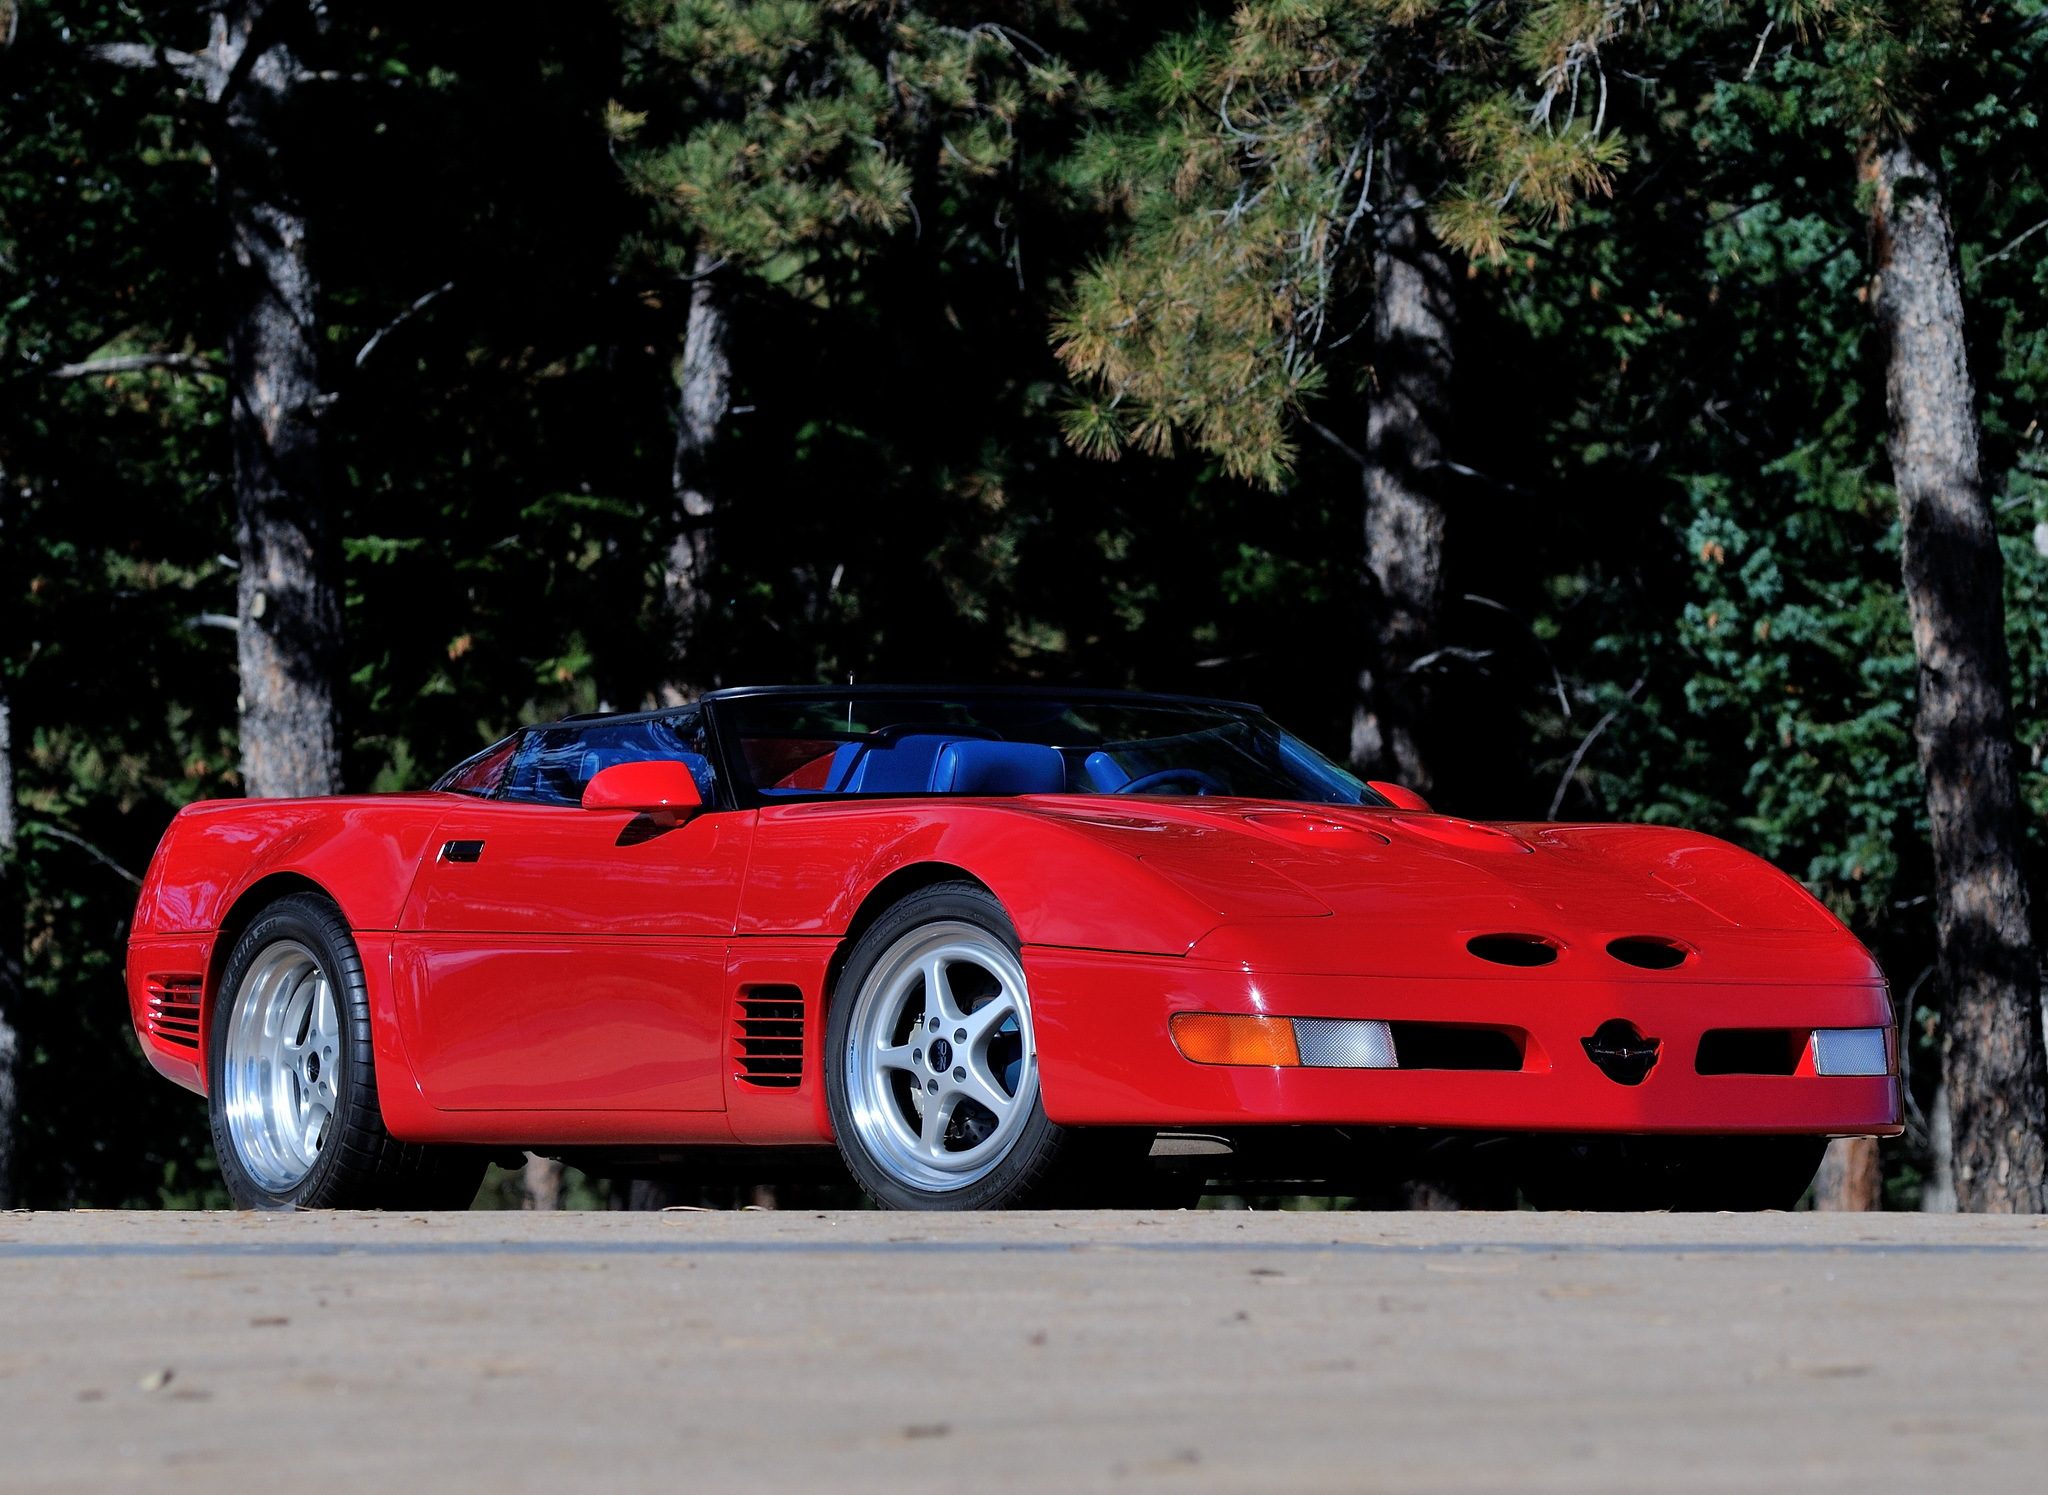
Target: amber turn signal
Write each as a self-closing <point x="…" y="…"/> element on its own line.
<point x="1227" y="1038"/>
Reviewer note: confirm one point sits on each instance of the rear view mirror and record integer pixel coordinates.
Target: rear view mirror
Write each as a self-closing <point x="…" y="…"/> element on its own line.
<point x="666" y="791"/>
<point x="1400" y="796"/>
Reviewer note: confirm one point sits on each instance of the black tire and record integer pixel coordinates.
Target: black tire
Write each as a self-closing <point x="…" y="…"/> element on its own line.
<point x="359" y="1164"/>
<point x="1671" y="1173"/>
<point x="1042" y="1167"/>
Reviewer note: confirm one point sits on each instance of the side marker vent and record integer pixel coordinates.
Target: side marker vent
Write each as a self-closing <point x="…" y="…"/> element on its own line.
<point x="770" y="1037"/>
<point x="172" y="1014"/>
<point x="1513" y="949"/>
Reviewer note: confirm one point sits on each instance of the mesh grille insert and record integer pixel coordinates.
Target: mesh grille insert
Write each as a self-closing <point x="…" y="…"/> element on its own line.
<point x="769" y="1038"/>
<point x="1751" y="1051"/>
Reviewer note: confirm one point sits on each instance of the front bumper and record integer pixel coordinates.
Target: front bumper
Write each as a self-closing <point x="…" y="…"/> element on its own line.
<point x="1106" y="1057"/>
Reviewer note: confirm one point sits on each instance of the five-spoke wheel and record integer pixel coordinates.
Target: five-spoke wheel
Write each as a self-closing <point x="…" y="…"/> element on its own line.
<point x="933" y="1079"/>
<point x="941" y="1072"/>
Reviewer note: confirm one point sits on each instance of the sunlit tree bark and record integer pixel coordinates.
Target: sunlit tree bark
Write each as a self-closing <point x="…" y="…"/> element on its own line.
<point x="703" y="403"/>
<point x="289" y="598"/>
<point x="1993" y="1059"/>
<point x="1407" y="415"/>
<point x="10" y="954"/>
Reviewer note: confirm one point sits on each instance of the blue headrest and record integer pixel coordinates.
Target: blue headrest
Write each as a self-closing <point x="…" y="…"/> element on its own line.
<point x="1103" y="772"/>
<point x="999" y="768"/>
<point x="901" y="766"/>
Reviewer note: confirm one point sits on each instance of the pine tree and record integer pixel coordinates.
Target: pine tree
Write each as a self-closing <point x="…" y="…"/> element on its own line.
<point x="1279" y="176"/>
<point x="1878" y="74"/>
<point x="251" y="74"/>
<point x="785" y="147"/>
<point x="11" y="927"/>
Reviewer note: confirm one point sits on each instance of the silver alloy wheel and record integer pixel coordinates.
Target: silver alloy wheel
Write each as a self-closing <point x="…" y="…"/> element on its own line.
<point x="941" y="1069"/>
<point x="279" y="1065"/>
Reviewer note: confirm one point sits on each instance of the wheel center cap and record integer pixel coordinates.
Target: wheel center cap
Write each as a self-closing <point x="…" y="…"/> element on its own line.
<point x="941" y="1054"/>
<point x="313" y="1068"/>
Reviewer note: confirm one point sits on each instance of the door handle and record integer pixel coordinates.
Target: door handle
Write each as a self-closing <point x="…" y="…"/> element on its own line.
<point x="462" y="851"/>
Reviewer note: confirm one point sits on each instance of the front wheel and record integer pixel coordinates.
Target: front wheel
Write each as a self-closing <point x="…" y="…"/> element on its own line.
<point x="931" y="1074"/>
<point x="292" y="1081"/>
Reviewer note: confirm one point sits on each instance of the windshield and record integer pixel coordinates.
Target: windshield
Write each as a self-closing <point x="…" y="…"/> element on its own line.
<point x="805" y="746"/>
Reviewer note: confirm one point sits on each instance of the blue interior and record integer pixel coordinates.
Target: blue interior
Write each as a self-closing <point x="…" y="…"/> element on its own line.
<point x="934" y="763"/>
<point x="999" y="768"/>
<point x="1103" y="773"/>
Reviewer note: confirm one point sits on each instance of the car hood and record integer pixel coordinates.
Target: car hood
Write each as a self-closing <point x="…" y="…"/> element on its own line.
<point x="1404" y="892"/>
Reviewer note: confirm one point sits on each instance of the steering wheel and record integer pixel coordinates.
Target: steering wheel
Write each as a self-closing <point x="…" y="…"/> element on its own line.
<point x="1197" y="781"/>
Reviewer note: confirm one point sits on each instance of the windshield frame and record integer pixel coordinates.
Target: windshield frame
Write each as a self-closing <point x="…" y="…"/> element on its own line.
<point x="722" y="710"/>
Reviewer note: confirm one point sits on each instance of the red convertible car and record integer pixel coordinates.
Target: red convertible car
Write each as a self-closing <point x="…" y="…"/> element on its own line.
<point x="1000" y="947"/>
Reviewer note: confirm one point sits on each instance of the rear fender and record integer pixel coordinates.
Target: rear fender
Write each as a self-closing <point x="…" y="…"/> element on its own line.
<point x="362" y="852"/>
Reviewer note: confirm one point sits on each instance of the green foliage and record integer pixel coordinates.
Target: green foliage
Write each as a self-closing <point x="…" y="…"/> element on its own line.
<point x="777" y="135"/>
<point x="1673" y="558"/>
<point x="1242" y="165"/>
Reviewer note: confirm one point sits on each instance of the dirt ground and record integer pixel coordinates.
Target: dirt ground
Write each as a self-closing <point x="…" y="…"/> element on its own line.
<point x="1208" y="1351"/>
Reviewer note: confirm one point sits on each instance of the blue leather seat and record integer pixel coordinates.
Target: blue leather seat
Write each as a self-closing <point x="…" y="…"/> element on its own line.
<point x="902" y="765"/>
<point x="975" y="767"/>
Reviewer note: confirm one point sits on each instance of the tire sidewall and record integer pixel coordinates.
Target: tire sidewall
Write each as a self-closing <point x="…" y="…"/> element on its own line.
<point x="1024" y="1169"/>
<point x="312" y="922"/>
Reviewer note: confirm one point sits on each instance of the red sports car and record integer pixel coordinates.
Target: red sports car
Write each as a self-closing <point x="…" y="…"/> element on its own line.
<point x="1001" y="947"/>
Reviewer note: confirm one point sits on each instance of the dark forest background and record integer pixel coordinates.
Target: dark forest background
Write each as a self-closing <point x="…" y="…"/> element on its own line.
<point x="1497" y="393"/>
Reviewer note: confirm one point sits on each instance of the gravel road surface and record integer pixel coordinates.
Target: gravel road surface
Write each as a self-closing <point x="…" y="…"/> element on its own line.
<point x="1112" y="1351"/>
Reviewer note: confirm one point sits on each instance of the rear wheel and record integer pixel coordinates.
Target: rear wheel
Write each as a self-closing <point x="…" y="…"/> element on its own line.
<point x="292" y="1090"/>
<point x="1671" y="1173"/>
<point x="932" y="1067"/>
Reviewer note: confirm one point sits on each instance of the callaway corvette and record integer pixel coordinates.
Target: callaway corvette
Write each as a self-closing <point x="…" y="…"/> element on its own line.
<point x="988" y="942"/>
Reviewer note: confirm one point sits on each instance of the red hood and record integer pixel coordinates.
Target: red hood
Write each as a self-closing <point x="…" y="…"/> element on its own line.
<point x="1400" y="892"/>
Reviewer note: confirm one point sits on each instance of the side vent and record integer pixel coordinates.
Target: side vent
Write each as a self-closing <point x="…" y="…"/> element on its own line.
<point x="173" y="1012"/>
<point x="770" y="1040"/>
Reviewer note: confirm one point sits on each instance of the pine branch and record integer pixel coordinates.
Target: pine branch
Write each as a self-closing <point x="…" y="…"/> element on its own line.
<point x="144" y="56"/>
<point x="362" y="355"/>
<point x="135" y="363"/>
<point x="45" y="828"/>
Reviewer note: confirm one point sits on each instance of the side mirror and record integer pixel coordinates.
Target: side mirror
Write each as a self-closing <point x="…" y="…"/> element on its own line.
<point x="666" y="791"/>
<point x="1400" y="796"/>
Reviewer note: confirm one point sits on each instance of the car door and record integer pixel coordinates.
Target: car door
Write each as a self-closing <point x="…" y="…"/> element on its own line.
<point x="562" y="959"/>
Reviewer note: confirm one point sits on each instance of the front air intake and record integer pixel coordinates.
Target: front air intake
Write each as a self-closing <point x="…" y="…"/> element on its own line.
<point x="1513" y="949"/>
<point x="1649" y="951"/>
<point x="172" y="1012"/>
<point x="769" y="1040"/>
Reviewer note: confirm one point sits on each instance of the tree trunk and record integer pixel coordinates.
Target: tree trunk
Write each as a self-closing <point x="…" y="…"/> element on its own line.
<point x="1992" y="1052"/>
<point x="1938" y="1189"/>
<point x="1850" y="1177"/>
<point x="540" y="1183"/>
<point x="704" y="400"/>
<point x="10" y="954"/>
<point x="1407" y="415"/>
<point x="289" y="604"/>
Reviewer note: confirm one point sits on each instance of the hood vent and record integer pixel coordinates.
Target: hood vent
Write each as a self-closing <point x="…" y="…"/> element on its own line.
<point x="1649" y="951"/>
<point x="172" y="1014"/>
<point x="1513" y="949"/>
<point x="769" y="1040"/>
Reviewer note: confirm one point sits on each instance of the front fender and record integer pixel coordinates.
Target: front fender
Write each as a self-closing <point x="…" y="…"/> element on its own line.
<point x="815" y="864"/>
